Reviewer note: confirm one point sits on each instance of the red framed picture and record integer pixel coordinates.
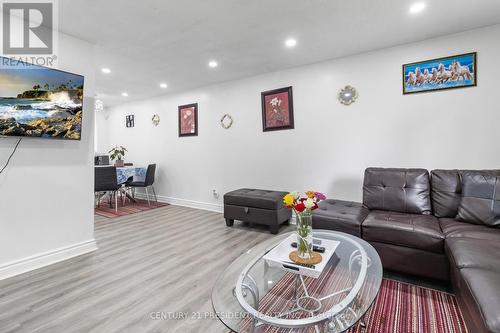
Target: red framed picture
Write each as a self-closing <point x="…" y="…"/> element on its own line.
<point x="277" y="109"/>
<point x="188" y="120"/>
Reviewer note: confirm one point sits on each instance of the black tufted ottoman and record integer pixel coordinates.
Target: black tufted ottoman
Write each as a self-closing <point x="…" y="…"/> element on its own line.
<point x="256" y="206"/>
<point x="338" y="215"/>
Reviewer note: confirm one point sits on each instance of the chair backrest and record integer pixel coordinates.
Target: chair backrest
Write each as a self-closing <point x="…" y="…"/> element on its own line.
<point x="105" y="179"/>
<point x="150" y="175"/>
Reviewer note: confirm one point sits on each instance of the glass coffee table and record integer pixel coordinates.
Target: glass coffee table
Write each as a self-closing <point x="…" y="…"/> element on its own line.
<point x="253" y="296"/>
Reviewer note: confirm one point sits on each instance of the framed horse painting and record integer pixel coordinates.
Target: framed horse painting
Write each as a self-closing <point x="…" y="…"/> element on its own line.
<point x="458" y="71"/>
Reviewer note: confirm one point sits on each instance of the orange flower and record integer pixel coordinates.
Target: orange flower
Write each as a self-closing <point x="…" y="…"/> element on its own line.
<point x="310" y="194"/>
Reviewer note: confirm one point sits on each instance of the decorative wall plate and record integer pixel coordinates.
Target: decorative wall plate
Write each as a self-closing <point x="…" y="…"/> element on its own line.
<point x="347" y="95"/>
<point x="155" y="119"/>
<point x="226" y="121"/>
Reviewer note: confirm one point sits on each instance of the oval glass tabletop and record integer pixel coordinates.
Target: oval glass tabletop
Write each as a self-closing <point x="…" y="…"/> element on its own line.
<point x="252" y="295"/>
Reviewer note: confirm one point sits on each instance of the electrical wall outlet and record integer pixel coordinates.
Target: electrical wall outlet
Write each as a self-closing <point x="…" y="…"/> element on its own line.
<point x="215" y="194"/>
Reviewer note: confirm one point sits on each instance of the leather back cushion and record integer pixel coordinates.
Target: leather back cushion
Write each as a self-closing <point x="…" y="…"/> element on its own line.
<point x="480" y="202"/>
<point x="447" y="190"/>
<point x="398" y="190"/>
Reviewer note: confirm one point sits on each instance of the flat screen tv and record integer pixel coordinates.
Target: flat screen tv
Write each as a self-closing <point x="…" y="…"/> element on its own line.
<point x="40" y="102"/>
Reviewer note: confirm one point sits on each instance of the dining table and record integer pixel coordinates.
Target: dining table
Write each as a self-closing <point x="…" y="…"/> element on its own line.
<point x="124" y="173"/>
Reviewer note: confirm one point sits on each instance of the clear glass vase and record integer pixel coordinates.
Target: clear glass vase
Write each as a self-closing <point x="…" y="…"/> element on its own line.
<point x="304" y="235"/>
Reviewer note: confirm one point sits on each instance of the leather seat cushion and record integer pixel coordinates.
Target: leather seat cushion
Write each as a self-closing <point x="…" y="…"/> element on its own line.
<point x="483" y="286"/>
<point x="456" y="229"/>
<point x="338" y="215"/>
<point x="247" y="197"/>
<point x="410" y="230"/>
<point x="474" y="253"/>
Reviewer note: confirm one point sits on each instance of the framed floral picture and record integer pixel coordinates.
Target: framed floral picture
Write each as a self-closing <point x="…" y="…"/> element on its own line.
<point x="188" y="120"/>
<point x="277" y="109"/>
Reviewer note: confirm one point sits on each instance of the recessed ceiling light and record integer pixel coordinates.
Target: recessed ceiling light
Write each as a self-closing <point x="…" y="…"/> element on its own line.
<point x="124" y="94"/>
<point x="417" y="7"/>
<point x="106" y="70"/>
<point x="213" y="64"/>
<point x="163" y="85"/>
<point x="290" y="42"/>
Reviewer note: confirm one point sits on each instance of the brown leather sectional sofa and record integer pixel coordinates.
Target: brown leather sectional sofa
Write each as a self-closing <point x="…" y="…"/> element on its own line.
<point x="443" y="225"/>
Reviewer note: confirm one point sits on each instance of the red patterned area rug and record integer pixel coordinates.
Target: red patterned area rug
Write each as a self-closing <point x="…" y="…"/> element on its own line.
<point x="406" y="308"/>
<point x="399" y="308"/>
<point x="127" y="209"/>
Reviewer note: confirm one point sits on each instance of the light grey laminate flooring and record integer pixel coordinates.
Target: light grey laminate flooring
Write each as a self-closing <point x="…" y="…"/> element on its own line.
<point x="149" y="266"/>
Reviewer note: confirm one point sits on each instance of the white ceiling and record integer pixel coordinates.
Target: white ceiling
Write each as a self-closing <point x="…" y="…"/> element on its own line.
<point x="151" y="41"/>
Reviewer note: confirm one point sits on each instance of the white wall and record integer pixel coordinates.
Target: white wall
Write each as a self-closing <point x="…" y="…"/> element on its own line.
<point x="331" y="144"/>
<point x="46" y="192"/>
<point x="101" y="132"/>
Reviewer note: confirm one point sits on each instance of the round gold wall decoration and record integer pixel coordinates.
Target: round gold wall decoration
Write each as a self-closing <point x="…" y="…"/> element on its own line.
<point x="347" y="95"/>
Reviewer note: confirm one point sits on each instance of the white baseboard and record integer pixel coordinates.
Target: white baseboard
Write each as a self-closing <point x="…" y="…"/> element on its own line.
<point x="185" y="203"/>
<point x="46" y="258"/>
<point x="219" y="208"/>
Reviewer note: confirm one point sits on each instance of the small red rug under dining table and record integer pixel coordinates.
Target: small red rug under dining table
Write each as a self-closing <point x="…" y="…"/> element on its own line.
<point x="129" y="208"/>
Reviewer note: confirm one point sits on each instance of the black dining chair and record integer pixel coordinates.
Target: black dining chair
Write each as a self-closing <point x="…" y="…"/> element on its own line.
<point x="148" y="182"/>
<point x="105" y="180"/>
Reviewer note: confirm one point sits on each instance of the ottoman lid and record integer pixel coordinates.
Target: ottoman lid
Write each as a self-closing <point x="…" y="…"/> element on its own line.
<point x="248" y="197"/>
